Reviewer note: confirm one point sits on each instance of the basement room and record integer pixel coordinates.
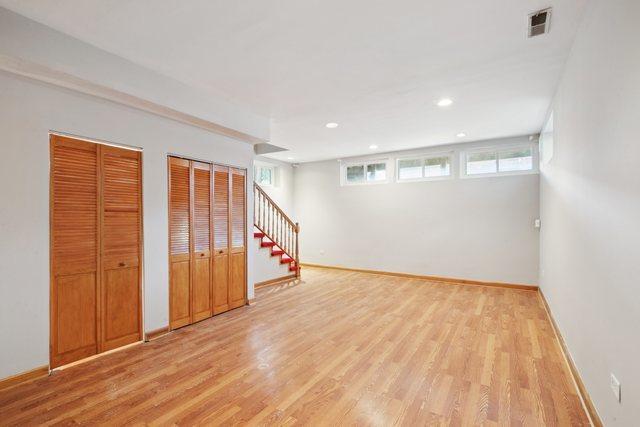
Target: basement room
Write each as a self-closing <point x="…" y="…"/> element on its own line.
<point x="319" y="213"/>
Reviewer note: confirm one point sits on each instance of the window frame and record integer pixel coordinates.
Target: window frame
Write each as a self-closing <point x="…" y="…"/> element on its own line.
<point x="423" y="157"/>
<point x="497" y="149"/>
<point x="256" y="174"/>
<point x="364" y="164"/>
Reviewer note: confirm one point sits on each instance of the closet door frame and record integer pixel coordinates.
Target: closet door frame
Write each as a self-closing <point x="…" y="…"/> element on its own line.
<point x="70" y="140"/>
<point x="212" y="229"/>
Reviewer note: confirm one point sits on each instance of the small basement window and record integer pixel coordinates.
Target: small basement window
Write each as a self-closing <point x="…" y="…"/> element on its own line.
<point x="499" y="161"/>
<point x="365" y="173"/>
<point x="424" y="167"/>
<point x="265" y="175"/>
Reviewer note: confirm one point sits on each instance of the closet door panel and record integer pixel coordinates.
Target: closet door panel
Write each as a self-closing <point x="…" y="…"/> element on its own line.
<point x="202" y="280"/>
<point x="180" y="300"/>
<point x="221" y="283"/>
<point x="237" y="293"/>
<point x="76" y="317"/>
<point x="221" y="239"/>
<point x="74" y="250"/>
<point x="179" y="242"/>
<point x="120" y="307"/>
<point x="238" y="280"/>
<point x="121" y="240"/>
<point x="202" y="289"/>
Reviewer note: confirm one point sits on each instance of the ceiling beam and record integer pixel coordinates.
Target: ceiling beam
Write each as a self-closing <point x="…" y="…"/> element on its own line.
<point x="46" y="74"/>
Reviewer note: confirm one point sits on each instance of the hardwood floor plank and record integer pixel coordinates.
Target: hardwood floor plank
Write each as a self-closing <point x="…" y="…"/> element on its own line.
<point x="336" y="347"/>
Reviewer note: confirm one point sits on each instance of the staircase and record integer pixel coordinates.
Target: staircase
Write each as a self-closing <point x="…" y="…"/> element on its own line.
<point x="276" y="231"/>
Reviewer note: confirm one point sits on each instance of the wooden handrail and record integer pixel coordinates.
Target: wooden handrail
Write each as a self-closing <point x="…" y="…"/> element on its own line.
<point x="265" y="195"/>
<point x="271" y="220"/>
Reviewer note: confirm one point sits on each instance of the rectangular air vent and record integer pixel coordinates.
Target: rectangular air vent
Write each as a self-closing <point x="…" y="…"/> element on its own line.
<point x="539" y="22"/>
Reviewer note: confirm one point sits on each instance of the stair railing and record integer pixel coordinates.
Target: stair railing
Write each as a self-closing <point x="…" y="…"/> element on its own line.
<point x="276" y="225"/>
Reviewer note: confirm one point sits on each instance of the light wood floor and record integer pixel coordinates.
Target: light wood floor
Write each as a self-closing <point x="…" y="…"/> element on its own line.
<point x="338" y="348"/>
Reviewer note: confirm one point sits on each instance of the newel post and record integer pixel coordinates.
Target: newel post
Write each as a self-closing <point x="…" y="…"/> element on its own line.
<point x="297" y="251"/>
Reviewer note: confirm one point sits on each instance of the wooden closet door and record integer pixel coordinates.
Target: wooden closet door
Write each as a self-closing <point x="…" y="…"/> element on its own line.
<point x="179" y="243"/>
<point x="202" y="302"/>
<point x="237" y="288"/>
<point x="121" y="238"/>
<point x="221" y="239"/>
<point x="74" y="250"/>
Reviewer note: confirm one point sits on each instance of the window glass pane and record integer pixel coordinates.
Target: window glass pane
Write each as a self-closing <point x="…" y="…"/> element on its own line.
<point x="437" y="166"/>
<point x="355" y="173"/>
<point x="409" y="169"/>
<point x="377" y="172"/>
<point x="478" y="163"/>
<point x="265" y="176"/>
<point x="515" y="160"/>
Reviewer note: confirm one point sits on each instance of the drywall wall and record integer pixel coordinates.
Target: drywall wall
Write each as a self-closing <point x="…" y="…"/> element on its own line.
<point x="590" y="207"/>
<point x="266" y="267"/>
<point x="28" y="111"/>
<point x="473" y="228"/>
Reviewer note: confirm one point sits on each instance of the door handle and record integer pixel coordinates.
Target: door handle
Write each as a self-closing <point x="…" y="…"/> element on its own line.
<point x="122" y="264"/>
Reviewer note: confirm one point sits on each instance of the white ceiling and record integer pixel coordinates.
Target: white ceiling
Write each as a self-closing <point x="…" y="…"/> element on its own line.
<point x="376" y="67"/>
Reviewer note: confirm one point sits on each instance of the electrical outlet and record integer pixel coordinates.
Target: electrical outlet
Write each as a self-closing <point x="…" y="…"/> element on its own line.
<point x="615" y="387"/>
<point x="321" y="251"/>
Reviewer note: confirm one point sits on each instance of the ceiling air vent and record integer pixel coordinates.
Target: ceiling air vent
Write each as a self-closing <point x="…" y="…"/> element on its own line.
<point x="539" y="22"/>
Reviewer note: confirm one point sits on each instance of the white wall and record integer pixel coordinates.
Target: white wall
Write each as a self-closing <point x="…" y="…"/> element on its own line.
<point x="266" y="267"/>
<point x="474" y="228"/>
<point x="590" y="207"/>
<point x="28" y="111"/>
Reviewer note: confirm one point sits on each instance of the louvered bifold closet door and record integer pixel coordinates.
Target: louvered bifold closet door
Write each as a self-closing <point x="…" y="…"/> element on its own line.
<point x="179" y="242"/>
<point x="121" y="237"/>
<point x="237" y="288"/>
<point x="74" y="250"/>
<point x="221" y="239"/>
<point x="202" y="302"/>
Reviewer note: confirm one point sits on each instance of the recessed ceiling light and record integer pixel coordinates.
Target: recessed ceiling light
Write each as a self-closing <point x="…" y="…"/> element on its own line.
<point x="461" y="135"/>
<point x="373" y="147"/>
<point x="289" y="158"/>
<point x="444" y="102"/>
<point x="331" y="125"/>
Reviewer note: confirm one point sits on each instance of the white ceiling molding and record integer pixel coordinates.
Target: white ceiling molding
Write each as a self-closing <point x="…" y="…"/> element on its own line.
<point x="36" y="51"/>
<point x="58" y="78"/>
